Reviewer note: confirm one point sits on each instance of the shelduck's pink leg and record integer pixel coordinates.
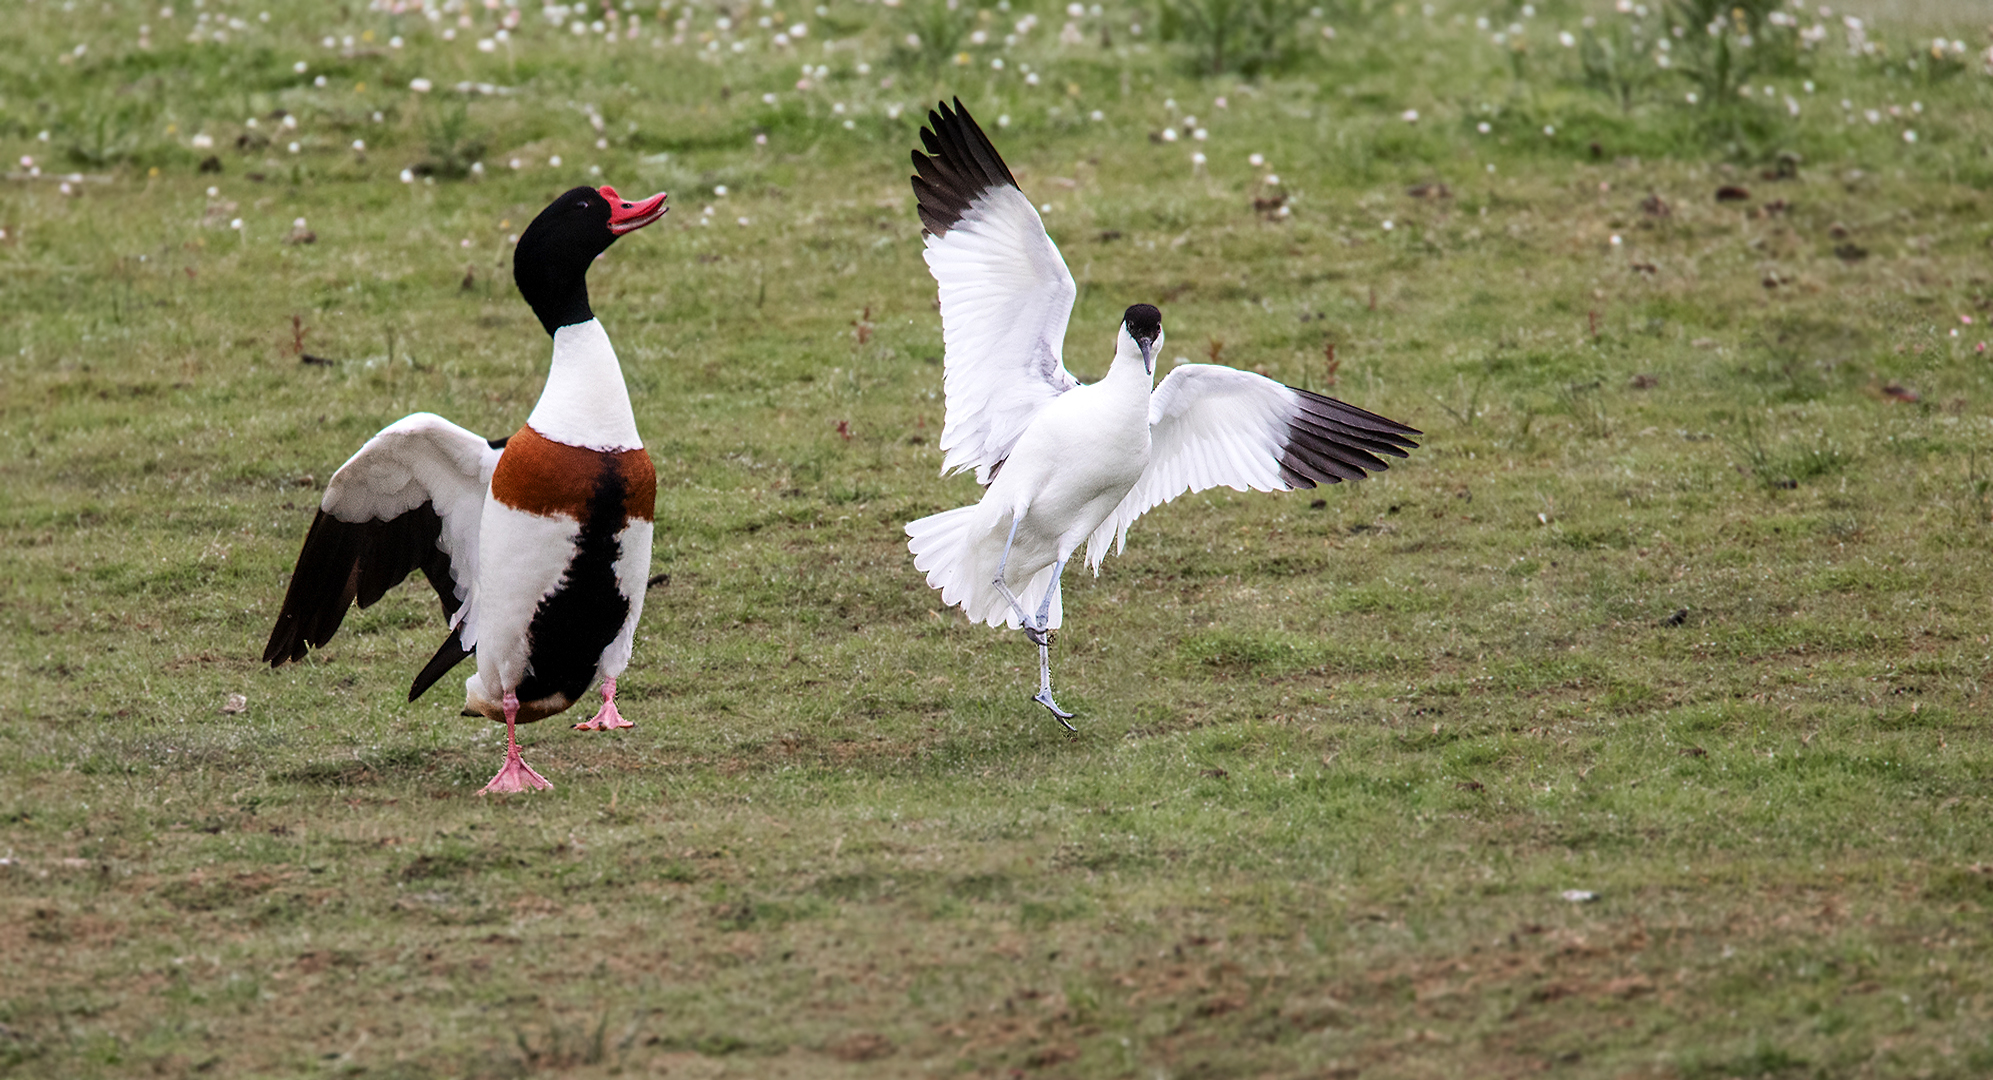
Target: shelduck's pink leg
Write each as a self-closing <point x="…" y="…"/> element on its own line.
<point x="608" y="719"/>
<point x="516" y="775"/>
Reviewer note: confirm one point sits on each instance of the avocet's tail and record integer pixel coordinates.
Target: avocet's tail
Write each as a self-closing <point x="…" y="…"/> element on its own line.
<point x="959" y="555"/>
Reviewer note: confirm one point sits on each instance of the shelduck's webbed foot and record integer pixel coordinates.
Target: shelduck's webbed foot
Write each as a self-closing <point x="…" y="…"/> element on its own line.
<point x="516" y="776"/>
<point x="608" y="719"/>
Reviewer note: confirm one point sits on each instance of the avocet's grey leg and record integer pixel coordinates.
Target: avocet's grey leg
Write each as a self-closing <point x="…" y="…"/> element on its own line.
<point x="1035" y="633"/>
<point x="1044" y="694"/>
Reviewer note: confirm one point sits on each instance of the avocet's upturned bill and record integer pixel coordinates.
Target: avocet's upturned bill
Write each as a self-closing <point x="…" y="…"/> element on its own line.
<point x="1067" y="463"/>
<point x="538" y="543"/>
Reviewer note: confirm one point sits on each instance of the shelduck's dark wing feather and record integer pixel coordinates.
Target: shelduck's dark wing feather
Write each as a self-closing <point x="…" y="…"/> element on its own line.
<point x="344" y="563"/>
<point x="410" y="500"/>
<point x="449" y="655"/>
<point x="1005" y="292"/>
<point x="1215" y="426"/>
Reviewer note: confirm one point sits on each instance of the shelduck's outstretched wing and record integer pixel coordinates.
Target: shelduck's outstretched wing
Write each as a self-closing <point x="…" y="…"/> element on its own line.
<point x="410" y="500"/>
<point x="1212" y="426"/>
<point x="1005" y="293"/>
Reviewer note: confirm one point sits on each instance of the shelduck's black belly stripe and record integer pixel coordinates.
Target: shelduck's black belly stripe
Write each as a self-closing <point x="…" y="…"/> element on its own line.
<point x="572" y="627"/>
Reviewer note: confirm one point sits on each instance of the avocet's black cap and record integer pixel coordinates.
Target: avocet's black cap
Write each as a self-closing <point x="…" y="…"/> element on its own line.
<point x="1144" y="323"/>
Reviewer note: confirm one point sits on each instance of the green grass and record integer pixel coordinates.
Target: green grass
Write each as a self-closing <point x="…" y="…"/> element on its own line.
<point x="1682" y="603"/>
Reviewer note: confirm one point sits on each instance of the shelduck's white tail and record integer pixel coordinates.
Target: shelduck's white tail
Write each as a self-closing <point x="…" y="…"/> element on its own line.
<point x="960" y="558"/>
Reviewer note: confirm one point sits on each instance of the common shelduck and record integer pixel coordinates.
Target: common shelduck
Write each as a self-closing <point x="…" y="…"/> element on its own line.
<point x="538" y="543"/>
<point x="1066" y="462"/>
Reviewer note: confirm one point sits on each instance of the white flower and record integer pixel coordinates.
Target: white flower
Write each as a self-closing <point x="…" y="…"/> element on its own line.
<point x="421" y="86"/>
<point x="407" y="176"/>
<point x="319" y="82"/>
<point x="1409" y="116"/>
<point x="1272" y="180"/>
<point x="486" y="45"/>
<point x="555" y="161"/>
<point x="202" y="141"/>
<point x="1548" y="130"/>
<point x="1031" y="79"/>
<point x="1256" y="160"/>
<point x="761" y="139"/>
<point x="516" y="163"/>
<point x="799" y="30"/>
<point x="235" y="224"/>
<point x="1200" y="134"/>
<point x="850" y="125"/>
<point x="1169" y="134"/>
<point x="395" y="42"/>
<point x="1909" y="136"/>
<point x="1483" y="127"/>
<point x="1003" y="121"/>
<point x="477" y="168"/>
<point x="768" y="99"/>
<point x="1197" y="159"/>
<point x="1388" y="225"/>
<point x="719" y="189"/>
<point x="893" y="112"/>
<point x="1329" y="32"/>
<point x="996" y="64"/>
<point x="1615" y="241"/>
<point x="299" y="67"/>
<point x="294" y="148"/>
<point x="1565" y="39"/>
<point x="290" y="122"/>
<point x="1096" y="116"/>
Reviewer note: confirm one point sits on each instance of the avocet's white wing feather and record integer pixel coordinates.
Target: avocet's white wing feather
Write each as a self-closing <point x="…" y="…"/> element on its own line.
<point x="1215" y="426"/>
<point x="1005" y="293"/>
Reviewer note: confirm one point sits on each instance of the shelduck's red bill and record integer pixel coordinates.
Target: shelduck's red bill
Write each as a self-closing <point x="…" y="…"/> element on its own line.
<point x="627" y="216"/>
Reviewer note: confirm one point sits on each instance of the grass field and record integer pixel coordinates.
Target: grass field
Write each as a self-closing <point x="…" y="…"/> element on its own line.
<point x="1682" y="604"/>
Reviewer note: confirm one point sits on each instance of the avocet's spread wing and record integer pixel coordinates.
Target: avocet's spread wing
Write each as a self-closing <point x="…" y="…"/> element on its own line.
<point x="411" y="499"/>
<point x="1005" y="293"/>
<point x="1213" y="426"/>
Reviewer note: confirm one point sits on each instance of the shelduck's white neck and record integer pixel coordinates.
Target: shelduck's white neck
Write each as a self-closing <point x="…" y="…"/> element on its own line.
<point x="585" y="402"/>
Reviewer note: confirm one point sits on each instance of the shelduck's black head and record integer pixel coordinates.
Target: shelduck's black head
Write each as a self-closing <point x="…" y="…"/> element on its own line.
<point x="1144" y="326"/>
<point x="550" y="265"/>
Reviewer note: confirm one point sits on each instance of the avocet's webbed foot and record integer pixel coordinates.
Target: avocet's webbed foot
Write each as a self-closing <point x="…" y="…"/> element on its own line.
<point x="1044" y="697"/>
<point x="1037" y="636"/>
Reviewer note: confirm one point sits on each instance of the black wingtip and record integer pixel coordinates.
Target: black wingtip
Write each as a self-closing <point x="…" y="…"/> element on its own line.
<point x="448" y="656"/>
<point x="960" y="165"/>
<point x="1329" y="441"/>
